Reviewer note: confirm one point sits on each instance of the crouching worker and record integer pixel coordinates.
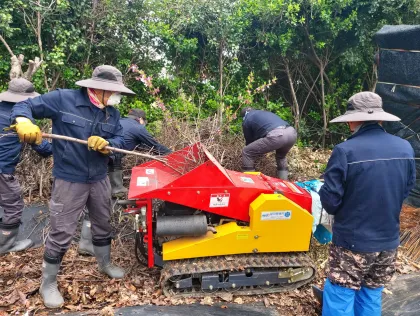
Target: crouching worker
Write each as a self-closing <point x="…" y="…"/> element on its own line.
<point x="136" y="137"/>
<point x="80" y="172"/>
<point x="365" y="183"/>
<point x="10" y="149"/>
<point x="264" y="132"/>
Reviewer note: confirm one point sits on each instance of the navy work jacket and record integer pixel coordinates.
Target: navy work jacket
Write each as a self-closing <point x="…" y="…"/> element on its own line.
<point x="10" y="146"/>
<point x="73" y="115"/>
<point x="257" y="124"/>
<point x="137" y="136"/>
<point x="366" y="181"/>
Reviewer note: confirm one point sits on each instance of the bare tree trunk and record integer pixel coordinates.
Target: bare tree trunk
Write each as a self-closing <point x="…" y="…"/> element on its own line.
<point x="296" y="111"/>
<point x="92" y="30"/>
<point x="221" y="105"/>
<point x="41" y="51"/>
<point x="324" y="110"/>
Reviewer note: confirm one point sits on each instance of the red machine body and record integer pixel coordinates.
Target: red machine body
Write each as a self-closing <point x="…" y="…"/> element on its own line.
<point x="194" y="178"/>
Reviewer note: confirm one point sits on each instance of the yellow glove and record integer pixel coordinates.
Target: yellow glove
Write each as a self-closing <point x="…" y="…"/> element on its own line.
<point x="27" y="131"/>
<point x="98" y="143"/>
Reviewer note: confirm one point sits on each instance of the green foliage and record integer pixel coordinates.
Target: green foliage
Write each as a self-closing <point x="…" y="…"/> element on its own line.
<point x="201" y="54"/>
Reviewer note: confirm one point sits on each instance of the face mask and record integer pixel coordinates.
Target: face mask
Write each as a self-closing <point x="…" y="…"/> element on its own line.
<point x="114" y="99"/>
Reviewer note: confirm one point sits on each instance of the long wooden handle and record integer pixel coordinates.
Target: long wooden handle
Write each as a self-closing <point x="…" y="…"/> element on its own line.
<point x="84" y="142"/>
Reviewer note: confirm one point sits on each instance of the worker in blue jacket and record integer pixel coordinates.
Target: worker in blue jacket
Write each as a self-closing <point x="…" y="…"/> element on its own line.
<point x="365" y="183"/>
<point x="11" y="199"/>
<point x="136" y="137"/>
<point x="80" y="172"/>
<point x="264" y="132"/>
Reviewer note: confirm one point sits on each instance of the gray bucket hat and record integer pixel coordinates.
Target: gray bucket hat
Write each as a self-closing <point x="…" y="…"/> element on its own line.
<point x="106" y="78"/>
<point x="365" y="106"/>
<point x="19" y="90"/>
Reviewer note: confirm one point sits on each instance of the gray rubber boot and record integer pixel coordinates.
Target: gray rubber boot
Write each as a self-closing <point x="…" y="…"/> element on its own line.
<point x="8" y="236"/>
<point x="85" y="243"/>
<point x="49" y="289"/>
<point x="103" y="256"/>
<point x="116" y="180"/>
<point x="283" y="174"/>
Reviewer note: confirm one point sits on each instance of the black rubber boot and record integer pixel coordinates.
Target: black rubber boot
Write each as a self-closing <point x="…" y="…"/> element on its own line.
<point x="116" y="180"/>
<point x="8" y="239"/>
<point x="103" y="256"/>
<point x="318" y="293"/>
<point x="283" y="174"/>
<point x="49" y="288"/>
<point x="85" y="243"/>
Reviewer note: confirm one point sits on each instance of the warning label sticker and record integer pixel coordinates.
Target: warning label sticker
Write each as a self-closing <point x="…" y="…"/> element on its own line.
<point x="150" y="171"/>
<point x="219" y="200"/>
<point x="293" y="187"/>
<point x="247" y="180"/>
<point x="276" y="216"/>
<point x="142" y="181"/>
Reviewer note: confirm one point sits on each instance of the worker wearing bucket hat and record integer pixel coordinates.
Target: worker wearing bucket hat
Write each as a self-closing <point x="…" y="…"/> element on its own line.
<point x="11" y="199"/>
<point x="80" y="173"/>
<point x="366" y="181"/>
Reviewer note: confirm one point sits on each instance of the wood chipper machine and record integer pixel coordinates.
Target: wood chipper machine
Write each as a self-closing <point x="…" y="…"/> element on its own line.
<point x="212" y="229"/>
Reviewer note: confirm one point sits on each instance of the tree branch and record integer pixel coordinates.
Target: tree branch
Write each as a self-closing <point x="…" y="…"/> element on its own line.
<point x="7" y="46"/>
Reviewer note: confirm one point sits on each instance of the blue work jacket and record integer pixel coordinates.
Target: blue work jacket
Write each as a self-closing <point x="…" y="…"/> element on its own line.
<point x="366" y="181"/>
<point x="257" y="124"/>
<point x="73" y="115"/>
<point x="137" y="136"/>
<point x="10" y="146"/>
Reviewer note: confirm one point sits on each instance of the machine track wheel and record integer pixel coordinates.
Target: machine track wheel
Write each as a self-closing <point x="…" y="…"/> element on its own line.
<point x="245" y="274"/>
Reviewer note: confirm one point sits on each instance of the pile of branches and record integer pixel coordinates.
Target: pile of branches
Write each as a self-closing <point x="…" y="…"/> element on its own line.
<point x="176" y="134"/>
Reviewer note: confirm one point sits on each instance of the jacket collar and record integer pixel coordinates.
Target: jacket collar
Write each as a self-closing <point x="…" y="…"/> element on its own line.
<point x="368" y="127"/>
<point x="82" y="99"/>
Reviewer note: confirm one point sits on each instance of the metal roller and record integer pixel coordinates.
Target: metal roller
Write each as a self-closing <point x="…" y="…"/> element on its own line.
<point x="183" y="225"/>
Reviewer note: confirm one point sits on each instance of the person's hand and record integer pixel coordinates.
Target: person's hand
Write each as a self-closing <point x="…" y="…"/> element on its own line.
<point x="27" y="131"/>
<point x="98" y="143"/>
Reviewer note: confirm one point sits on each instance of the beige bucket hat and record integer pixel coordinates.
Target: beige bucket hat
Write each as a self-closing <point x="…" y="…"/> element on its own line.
<point x="365" y="106"/>
<point x="106" y="78"/>
<point x="19" y="90"/>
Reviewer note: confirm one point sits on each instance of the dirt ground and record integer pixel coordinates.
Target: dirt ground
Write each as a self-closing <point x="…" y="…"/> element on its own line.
<point x="85" y="289"/>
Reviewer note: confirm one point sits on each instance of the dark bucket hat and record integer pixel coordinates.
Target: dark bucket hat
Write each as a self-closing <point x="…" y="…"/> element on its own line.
<point x="137" y="113"/>
<point x="106" y="78"/>
<point x="19" y="90"/>
<point x="365" y="106"/>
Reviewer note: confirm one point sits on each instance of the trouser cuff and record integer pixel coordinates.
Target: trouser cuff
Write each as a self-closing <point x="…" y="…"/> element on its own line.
<point x="101" y="242"/>
<point x="53" y="260"/>
<point x="9" y="226"/>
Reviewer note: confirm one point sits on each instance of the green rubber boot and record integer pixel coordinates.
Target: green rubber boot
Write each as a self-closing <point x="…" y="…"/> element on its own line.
<point x="103" y="256"/>
<point x="49" y="289"/>
<point x="85" y="243"/>
<point x="8" y="239"/>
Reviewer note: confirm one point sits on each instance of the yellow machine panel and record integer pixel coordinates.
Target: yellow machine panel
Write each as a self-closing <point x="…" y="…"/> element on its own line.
<point x="276" y="225"/>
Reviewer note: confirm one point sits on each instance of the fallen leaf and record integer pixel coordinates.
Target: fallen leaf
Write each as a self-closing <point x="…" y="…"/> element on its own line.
<point x="223" y="306"/>
<point x="228" y="297"/>
<point x="239" y="301"/>
<point x="207" y="301"/>
<point x="9" y="282"/>
<point x="388" y="292"/>
<point x="9" y="299"/>
<point x="72" y="307"/>
<point x="107" y="311"/>
<point x="266" y="302"/>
